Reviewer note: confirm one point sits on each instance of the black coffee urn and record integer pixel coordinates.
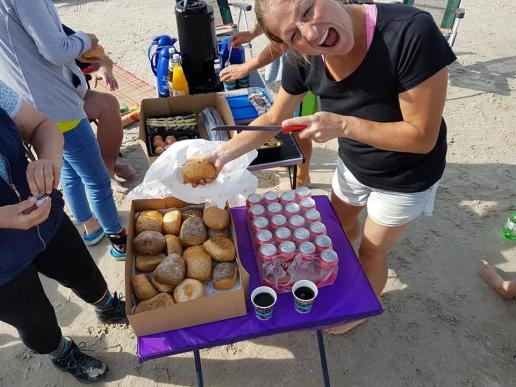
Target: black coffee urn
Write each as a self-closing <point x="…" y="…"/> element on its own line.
<point x="198" y="45"/>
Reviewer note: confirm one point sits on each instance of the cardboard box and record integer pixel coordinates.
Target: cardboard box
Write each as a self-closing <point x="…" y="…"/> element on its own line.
<point x="223" y="305"/>
<point x="159" y="107"/>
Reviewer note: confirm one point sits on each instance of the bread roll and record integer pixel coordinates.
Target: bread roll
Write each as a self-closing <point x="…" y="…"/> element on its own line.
<point x="215" y="218"/>
<point x="172" y="222"/>
<point x="162" y="288"/>
<point x="215" y="233"/>
<point x="224" y="275"/>
<point x="198" y="263"/>
<point x="189" y="212"/>
<point x="171" y="271"/>
<point x="94" y="53"/>
<point x="162" y="300"/>
<point x="149" y="243"/>
<point x="148" y="262"/>
<point x="189" y="289"/>
<point x="193" y="232"/>
<point x="196" y="170"/>
<point x="149" y="220"/>
<point x="142" y="287"/>
<point x="221" y="249"/>
<point x="173" y="244"/>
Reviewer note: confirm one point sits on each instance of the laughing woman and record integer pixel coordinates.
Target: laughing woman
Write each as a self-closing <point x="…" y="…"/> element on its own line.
<point x="381" y="73"/>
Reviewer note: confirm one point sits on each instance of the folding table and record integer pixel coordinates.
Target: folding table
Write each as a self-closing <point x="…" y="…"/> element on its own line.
<point x="349" y="298"/>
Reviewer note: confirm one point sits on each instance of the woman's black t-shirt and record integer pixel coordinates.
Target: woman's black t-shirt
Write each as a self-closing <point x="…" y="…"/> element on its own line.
<point x="407" y="48"/>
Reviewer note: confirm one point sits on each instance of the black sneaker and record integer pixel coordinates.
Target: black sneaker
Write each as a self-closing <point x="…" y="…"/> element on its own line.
<point x="115" y="313"/>
<point x="84" y="368"/>
<point x="118" y="245"/>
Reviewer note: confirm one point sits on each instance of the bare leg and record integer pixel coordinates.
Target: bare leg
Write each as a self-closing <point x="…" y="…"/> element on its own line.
<point x="303" y="170"/>
<point x="506" y="289"/>
<point x="91" y="225"/>
<point x="105" y="108"/>
<point x="373" y="251"/>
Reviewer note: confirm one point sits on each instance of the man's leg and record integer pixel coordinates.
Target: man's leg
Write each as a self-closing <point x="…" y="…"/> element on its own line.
<point x="105" y="108"/>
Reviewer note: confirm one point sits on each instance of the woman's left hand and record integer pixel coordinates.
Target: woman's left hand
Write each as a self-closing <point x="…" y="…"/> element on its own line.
<point x="320" y="127"/>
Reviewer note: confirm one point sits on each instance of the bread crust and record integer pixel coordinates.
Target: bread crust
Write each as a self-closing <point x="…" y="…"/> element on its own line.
<point x="198" y="263"/>
<point x="196" y="170"/>
<point x="189" y="289"/>
<point x="221" y="249"/>
<point x="215" y="218"/>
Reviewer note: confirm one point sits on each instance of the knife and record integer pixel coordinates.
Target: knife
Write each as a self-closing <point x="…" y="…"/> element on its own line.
<point x="284" y="129"/>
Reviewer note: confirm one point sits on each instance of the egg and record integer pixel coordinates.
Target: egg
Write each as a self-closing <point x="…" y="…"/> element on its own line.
<point x="170" y="140"/>
<point x="159" y="150"/>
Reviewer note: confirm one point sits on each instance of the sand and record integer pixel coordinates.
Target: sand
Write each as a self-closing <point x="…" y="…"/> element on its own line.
<point x="442" y="326"/>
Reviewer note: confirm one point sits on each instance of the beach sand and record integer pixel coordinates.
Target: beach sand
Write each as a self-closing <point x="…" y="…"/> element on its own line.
<point x="442" y="325"/>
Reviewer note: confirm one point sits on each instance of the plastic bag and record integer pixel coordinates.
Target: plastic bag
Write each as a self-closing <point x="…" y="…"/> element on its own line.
<point x="163" y="178"/>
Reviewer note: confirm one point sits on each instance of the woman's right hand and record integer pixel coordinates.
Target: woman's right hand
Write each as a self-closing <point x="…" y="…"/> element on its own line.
<point x="239" y="38"/>
<point x="94" y="41"/>
<point x="24" y="215"/>
<point x="214" y="158"/>
<point x="234" y="72"/>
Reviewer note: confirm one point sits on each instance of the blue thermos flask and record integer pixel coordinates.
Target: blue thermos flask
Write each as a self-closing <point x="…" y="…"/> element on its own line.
<point x="159" y="61"/>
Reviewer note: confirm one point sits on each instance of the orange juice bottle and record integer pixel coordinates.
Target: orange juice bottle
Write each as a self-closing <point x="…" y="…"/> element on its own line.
<point x="179" y="83"/>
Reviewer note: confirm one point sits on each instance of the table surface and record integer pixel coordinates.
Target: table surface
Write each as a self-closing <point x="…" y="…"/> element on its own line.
<point x="349" y="298"/>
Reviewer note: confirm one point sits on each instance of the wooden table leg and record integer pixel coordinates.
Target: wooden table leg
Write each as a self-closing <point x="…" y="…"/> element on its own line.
<point x="322" y="354"/>
<point x="198" y="368"/>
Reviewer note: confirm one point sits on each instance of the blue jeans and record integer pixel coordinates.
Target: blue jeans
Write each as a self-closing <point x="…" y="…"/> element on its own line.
<point x="84" y="173"/>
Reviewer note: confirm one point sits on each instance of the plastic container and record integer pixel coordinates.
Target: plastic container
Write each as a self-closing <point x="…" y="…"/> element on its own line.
<point x="509" y="229"/>
<point x="179" y="82"/>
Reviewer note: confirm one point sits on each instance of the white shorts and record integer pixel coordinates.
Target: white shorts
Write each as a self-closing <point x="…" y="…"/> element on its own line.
<point x="386" y="208"/>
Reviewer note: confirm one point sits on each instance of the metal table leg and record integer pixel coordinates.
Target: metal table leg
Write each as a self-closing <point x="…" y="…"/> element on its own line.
<point x="292" y="175"/>
<point x="198" y="368"/>
<point x="322" y="354"/>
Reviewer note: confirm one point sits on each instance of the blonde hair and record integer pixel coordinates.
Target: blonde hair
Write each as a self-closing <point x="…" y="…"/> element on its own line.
<point x="262" y="6"/>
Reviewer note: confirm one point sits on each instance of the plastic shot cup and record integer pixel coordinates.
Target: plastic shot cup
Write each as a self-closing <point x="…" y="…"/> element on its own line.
<point x="263" y="298"/>
<point x="304" y="292"/>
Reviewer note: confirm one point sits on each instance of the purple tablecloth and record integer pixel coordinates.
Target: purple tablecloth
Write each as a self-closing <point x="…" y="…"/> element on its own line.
<point x="349" y="298"/>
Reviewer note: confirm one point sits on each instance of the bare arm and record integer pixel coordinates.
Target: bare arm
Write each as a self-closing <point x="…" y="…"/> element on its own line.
<point x="284" y="106"/>
<point x="270" y="53"/>
<point x="421" y="107"/>
<point x="37" y="129"/>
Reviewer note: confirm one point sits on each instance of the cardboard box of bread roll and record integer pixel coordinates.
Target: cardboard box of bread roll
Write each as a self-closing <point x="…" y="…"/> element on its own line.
<point x="160" y="107"/>
<point x="215" y="306"/>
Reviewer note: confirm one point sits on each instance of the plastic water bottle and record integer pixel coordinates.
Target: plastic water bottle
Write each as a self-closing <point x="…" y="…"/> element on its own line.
<point x="179" y="82"/>
<point x="171" y="52"/>
<point x="509" y="230"/>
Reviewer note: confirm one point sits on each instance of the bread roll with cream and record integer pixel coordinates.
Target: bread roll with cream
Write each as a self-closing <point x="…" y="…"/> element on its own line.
<point x="189" y="289"/>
